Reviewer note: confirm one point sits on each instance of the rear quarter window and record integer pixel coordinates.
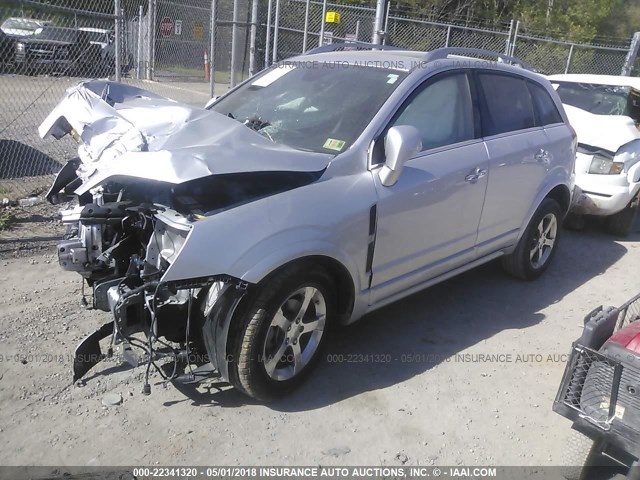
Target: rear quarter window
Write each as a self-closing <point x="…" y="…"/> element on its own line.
<point x="545" y="108"/>
<point x="508" y="105"/>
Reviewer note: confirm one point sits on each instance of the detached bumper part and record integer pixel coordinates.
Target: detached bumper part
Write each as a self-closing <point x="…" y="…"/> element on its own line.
<point x="88" y="353"/>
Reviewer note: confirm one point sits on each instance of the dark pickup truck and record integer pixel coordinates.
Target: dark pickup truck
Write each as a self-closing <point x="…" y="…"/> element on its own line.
<point x="66" y="51"/>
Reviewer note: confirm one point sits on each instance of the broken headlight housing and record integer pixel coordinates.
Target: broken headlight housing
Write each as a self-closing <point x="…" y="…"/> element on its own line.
<point x="602" y="165"/>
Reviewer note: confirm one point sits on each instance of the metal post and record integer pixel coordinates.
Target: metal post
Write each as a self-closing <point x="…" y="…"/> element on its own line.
<point x="306" y="26"/>
<point x="386" y="24"/>
<point x="568" y="66"/>
<point x="152" y="39"/>
<point x="212" y="48"/>
<point x="117" y="46"/>
<point x="253" y="38"/>
<point x="446" y="41"/>
<point x="507" y="48"/>
<point x="632" y="55"/>
<point x="234" y="44"/>
<point x="515" y="37"/>
<point x="378" y="23"/>
<point x="147" y="67"/>
<point x="140" y="39"/>
<point x="324" y="16"/>
<point x="357" y="30"/>
<point x="276" y="27"/>
<point x="267" y="41"/>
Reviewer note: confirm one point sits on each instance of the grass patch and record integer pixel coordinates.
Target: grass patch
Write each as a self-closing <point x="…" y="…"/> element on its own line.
<point x="5" y="219"/>
<point x="4" y="190"/>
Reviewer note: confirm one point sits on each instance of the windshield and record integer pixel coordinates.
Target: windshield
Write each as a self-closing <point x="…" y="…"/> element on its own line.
<point x="319" y="108"/>
<point x="52" y="33"/>
<point x="601" y="99"/>
<point x="24" y="26"/>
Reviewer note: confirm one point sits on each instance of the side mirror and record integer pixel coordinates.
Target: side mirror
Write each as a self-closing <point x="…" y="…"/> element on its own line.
<point x="400" y="144"/>
<point x="212" y="101"/>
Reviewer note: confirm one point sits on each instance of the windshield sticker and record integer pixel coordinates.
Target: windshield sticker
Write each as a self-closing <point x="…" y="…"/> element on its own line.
<point x="270" y="77"/>
<point x="333" y="144"/>
<point x="392" y="78"/>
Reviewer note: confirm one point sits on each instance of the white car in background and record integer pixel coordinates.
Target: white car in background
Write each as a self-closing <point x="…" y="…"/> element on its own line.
<point x="605" y="112"/>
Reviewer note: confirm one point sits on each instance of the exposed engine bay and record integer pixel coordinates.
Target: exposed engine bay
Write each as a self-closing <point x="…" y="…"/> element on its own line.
<point x="128" y="229"/>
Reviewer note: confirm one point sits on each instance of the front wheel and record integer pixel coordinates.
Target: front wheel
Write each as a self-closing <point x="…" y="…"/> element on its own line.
<point x="538" y="244"/>
<point x="279" y="334"/>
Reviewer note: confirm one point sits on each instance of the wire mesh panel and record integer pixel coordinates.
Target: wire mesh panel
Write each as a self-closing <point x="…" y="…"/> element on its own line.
<point x="416" y="35"/>
<point x="591" y="382"/>
<point x="478" y="38"/>
<point x="182" y="32"/>
<point x="546" y="56"/>
<point x="598" y="60"/>
<point x="629" y="312"/>
<point x="355" y="23"/>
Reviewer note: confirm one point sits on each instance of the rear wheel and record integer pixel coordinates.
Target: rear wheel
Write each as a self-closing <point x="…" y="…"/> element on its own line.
<point x="280" y="333"/>
<point x="538" y="244"/>
<point x="621" y="223"/>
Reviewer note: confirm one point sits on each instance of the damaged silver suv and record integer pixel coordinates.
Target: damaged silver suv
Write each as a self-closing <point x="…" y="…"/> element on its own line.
<point x="313" y="193"/>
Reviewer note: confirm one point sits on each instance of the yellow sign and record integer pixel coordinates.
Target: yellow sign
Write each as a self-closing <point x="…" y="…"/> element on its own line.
<point x="198" y="31"/>
<point x="332" y="17"/>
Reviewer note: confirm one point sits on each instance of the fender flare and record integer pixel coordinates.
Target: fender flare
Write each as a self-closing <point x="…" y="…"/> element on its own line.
<point x="542" y="194"/>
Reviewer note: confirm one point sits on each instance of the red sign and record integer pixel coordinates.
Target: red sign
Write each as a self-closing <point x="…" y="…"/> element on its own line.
<point x="166" y="26"/>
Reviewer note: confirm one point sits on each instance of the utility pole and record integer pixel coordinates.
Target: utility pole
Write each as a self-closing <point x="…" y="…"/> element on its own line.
<point x="253" y="38"/>
<point x="378" y="33"/>
<point x="324" y="16"/>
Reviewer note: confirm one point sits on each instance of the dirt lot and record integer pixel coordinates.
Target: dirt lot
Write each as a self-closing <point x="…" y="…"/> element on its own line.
<point x="421" y="408"/>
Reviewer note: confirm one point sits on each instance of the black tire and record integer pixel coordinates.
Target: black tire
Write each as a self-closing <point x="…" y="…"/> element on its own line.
<point x="584" y="460"/>
<point x="519" y="264"/>
<point x="252" y="324"/>
<point x="575" y="222"/>
<point x="577" y="455"/>
<point x="621" y="223"/>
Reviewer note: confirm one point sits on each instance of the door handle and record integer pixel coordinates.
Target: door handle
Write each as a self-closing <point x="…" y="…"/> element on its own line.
<point x="542" y="156"/>
<point x="475" y="175"/>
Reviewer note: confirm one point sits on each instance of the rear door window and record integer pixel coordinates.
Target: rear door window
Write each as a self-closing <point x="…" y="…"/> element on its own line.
<point x="508" y="106"/>
<point x="546" y="111"/>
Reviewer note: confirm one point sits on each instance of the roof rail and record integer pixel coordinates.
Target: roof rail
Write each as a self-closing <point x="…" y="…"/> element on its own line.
<point x="443" y="53"/>
<point x="350" y="45"/>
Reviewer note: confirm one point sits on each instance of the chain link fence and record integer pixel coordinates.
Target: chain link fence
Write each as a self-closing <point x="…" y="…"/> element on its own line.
<point x="171" y="47"/>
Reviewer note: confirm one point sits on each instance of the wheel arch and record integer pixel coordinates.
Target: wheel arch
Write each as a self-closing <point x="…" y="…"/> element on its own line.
<point x="345" y="286"/>
<point x="562" y="195"/>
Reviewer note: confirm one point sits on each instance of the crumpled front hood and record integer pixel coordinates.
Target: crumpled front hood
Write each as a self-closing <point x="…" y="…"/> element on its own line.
<point x="609" y="132"/>
<point x="127" y="131"/>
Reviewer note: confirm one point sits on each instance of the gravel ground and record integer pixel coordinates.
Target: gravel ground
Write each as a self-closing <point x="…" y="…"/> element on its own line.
<point x="439" y="400"/>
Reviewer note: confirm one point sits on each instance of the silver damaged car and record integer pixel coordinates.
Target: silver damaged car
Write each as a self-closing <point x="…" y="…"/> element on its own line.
<point x="232" y="240"/>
